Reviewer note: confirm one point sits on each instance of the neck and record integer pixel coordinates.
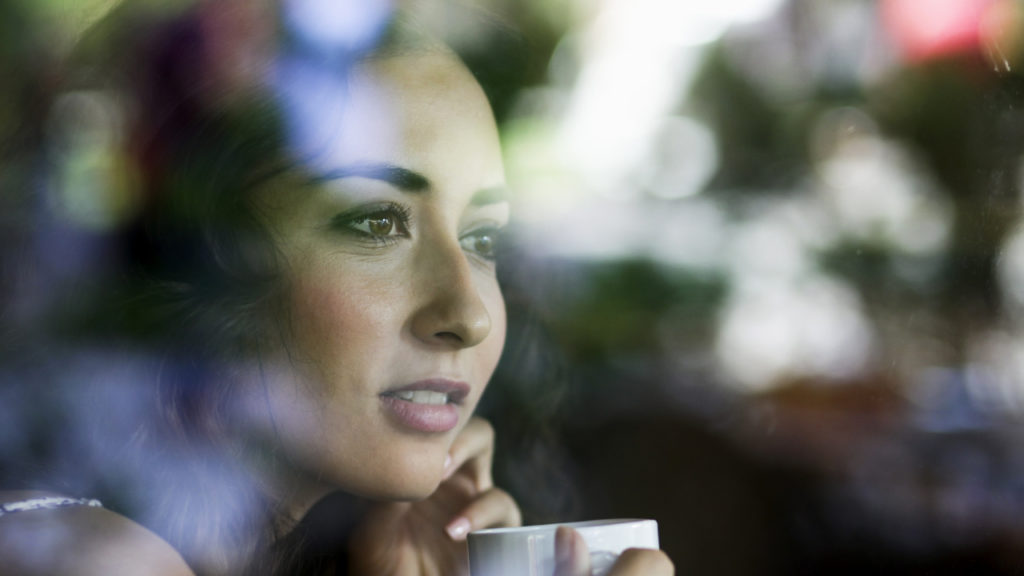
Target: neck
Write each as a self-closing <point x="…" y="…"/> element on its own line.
<point x="295" y="497"/>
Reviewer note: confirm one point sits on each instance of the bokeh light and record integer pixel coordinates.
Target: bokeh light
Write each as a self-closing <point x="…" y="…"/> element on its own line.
<point x="776" y="246"/>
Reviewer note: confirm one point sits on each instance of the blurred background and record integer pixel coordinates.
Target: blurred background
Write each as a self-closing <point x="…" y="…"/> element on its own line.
<point x="777" y="243"/>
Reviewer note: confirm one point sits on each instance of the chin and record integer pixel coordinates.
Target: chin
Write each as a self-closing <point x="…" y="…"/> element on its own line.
<point x="406" y="475"/>
<point x="393" y="490"/>
<point x="413" y="494"/>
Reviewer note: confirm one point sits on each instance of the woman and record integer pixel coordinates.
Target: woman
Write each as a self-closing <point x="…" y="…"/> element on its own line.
<point x="324" y="244"/>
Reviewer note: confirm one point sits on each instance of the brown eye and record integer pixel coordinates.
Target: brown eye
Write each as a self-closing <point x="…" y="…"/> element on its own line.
<point x="482" y="242"/>
<point x="383" y="223"/>
<point x="485" y="245"/>
<point x="380" y="226"/>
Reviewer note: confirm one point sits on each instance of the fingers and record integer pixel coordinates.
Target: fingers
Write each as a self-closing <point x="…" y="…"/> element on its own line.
<point x="470" y="456"/>
<point x="572" y="558"/>
<point x="472" y="452"/>
<point x="491" y="509"/>
<point x="571" y="555"/>
<point x="641" y="561"/>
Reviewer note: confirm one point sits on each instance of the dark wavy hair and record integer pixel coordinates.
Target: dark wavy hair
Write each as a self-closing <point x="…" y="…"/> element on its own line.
<point x="202" y="285"/>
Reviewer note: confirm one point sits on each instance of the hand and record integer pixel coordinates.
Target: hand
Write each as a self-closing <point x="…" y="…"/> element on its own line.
<point x="428" y="538"/>
<point x="573" y="559"/>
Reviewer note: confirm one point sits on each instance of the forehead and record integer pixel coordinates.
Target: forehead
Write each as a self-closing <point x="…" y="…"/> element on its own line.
<point x="423" y="111"/>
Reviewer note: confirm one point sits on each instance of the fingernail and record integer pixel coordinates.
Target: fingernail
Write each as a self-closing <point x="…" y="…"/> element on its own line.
<point x="458" y="529"/>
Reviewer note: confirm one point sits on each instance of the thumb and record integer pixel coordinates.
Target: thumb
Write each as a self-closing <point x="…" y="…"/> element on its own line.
<point x="571" y="555"/>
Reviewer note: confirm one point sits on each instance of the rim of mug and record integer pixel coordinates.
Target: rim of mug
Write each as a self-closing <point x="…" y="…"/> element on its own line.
<point x="552" y="527"/>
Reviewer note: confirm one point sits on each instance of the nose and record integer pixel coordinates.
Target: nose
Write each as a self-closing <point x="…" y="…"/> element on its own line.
<point x="452" y="313"/>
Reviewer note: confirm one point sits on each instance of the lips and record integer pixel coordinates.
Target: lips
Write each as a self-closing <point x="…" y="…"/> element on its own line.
<point x="426" y="406"/>
<point x="455" y="392"/>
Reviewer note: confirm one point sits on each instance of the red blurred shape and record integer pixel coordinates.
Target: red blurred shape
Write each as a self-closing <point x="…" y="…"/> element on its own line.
<point x="926" y="29"/>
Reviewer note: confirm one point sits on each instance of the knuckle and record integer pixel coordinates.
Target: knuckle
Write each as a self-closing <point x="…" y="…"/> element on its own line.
<point x="515" y="516"/>
<point x="482" y="423"/>
<point x="479" y="433"/>
<point x="506" y="498"/>
<point x="484" y="427"/>
<point x="511" y="515"/>
<point x="476" y="430"/>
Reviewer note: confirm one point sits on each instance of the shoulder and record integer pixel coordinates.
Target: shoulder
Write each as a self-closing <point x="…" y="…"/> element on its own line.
<point x="80" y="540"/>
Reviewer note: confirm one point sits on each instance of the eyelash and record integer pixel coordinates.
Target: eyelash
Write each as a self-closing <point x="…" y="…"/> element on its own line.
<point x="493" y="232"/>
<point x="400" y="217"/>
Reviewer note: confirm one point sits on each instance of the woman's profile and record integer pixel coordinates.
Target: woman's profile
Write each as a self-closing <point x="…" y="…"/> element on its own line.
<point x="316" y="248"/>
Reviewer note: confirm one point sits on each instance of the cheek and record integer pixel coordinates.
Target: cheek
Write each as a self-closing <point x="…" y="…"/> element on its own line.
<point x="345" y="339"/>
<point x="336" y="327"/>
<point x="492" y="347"/>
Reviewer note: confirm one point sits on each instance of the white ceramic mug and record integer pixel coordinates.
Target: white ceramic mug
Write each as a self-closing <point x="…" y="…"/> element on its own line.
<point x="530" y="550"/>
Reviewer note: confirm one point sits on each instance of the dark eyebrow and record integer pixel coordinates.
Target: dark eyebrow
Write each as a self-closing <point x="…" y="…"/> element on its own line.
<point x="401" y="178"/>
<point x="407" y="181"/>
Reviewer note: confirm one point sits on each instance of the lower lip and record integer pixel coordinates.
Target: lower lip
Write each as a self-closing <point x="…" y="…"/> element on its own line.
<point x="422" y="417"/>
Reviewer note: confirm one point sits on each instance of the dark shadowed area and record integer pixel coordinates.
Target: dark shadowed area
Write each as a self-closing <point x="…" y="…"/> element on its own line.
<point x="765" y="277"/>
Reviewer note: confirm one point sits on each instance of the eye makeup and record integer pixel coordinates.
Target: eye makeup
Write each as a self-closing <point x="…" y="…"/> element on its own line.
<point x="385" y="223"/>
<point x="382" y="223"/>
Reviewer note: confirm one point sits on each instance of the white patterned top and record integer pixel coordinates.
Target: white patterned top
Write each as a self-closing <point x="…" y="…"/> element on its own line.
<point x="46" y="503"/>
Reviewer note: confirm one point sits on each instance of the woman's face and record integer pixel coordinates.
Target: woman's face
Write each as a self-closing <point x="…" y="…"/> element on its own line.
<point x="393" y="318"/>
